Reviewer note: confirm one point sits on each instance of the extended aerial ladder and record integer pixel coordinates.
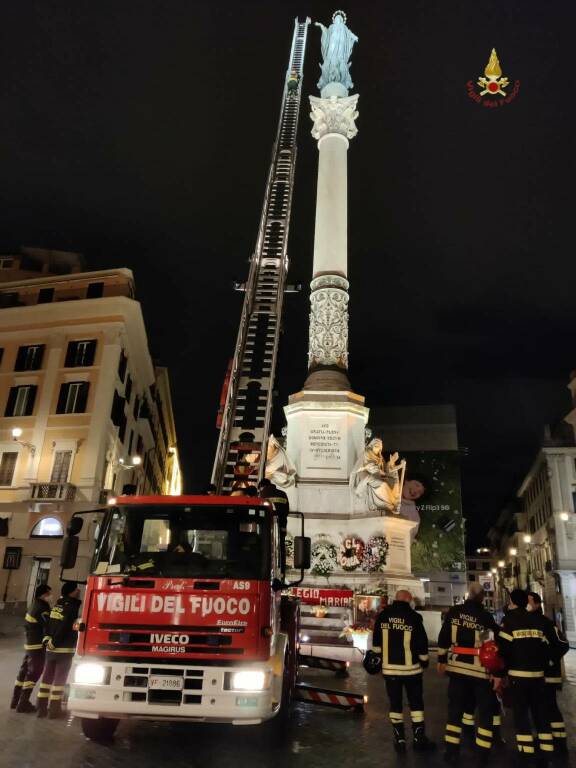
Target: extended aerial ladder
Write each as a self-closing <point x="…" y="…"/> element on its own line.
<point x="246" y="415"/>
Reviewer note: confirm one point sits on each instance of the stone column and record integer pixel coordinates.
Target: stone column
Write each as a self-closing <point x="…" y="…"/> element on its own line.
<point x="334" y="125"/>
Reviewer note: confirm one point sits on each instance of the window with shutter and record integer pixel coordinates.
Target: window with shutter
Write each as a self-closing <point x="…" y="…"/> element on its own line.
<point x="45" y="295"/>
<point x="7" y="467"/>
<point x="122" y="366"/>
<point x="21" y="401"/>
<point x="61" y="466"/>
<point x="95" y="290"/>
<point x="29" y="358"/>
<point x="80" y="353"/>
<point x="128" y="390"/>
<point x="73" y="397"/>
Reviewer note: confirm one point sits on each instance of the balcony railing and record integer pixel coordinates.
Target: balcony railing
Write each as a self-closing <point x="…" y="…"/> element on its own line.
<point x="54" y="491"/>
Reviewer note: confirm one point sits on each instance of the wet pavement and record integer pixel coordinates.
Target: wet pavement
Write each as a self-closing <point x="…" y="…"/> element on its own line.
<point x="317" y="737"/>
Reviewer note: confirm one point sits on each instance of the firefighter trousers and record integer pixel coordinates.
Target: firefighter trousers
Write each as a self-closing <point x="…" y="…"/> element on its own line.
<point x="557" y="723"/>
<point x="55" y="675"/>
<point x="31" y="668"/>
<point x="462" y="690"/>
<point x="528" y="697"/>
<point x="412" y="684"/>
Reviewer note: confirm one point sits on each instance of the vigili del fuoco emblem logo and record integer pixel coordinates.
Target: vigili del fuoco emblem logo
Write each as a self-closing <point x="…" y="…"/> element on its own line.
<point x="493" y="90"/>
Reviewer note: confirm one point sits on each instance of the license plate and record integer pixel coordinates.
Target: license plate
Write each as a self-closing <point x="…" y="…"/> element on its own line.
<point x="166" y="683"/>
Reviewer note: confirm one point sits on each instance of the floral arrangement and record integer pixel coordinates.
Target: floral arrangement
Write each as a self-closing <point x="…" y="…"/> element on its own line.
<point x="324" y="557"/>
<point x="351" y="553"/>
<point x="376" y="554"/>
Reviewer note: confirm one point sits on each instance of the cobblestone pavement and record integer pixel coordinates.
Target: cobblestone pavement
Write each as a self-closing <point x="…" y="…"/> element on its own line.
<point x="317" y="737"/>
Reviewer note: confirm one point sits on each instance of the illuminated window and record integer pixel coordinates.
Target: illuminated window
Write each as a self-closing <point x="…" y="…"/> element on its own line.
<point x="48" y="526"/>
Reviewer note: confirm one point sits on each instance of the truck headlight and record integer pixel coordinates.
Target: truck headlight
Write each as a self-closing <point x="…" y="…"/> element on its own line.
<point x="91" y="674"/>
<point x="249" y="680"/>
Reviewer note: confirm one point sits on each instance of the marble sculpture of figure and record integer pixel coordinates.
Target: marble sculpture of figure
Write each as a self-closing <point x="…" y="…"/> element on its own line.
<point x="377" y="481"/>
<point x="279" y="468"/>
<point x="337" y="43"/>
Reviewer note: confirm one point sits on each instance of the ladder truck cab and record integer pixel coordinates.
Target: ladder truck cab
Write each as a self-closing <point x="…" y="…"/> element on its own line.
<point x="183" y="616"/>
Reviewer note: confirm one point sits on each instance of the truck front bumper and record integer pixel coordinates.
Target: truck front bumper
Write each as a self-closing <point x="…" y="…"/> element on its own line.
<point x="200" y="693"/>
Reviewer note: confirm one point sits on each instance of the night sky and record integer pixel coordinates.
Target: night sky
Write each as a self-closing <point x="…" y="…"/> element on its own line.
<point x="139" y="133"/>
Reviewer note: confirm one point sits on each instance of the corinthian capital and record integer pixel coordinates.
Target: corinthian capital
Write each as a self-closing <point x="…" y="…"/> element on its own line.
<point x="334" y="115"/>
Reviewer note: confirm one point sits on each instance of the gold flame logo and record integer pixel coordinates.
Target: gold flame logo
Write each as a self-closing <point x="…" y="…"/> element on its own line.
<point x="493" y="84"/>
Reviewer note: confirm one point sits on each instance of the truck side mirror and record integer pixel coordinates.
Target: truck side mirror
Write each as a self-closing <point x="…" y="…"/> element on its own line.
<point x="69" y="552"/>
<point x="302" y="552"/>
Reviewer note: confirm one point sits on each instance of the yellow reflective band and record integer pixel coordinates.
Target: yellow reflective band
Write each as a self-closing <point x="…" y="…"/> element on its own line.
<point x="442" y="651"/>
<point x="466" y="716"/>
<point x="452" y="739"/>
<point x="391" y="670"/>
<point x="546" y="679"/>
<point x="497" y="720"/>
<point x="523" y="634"/>
<point x="407" y="650"/>
<point x="42" y="695"/>
<point x="61" y="650"/>
<point x="423" y="657"/>
<point x="558" y="725"/>
<point x="482" y="743"/>
<point x="37" y="647"/>
<point x="455" y="728"/>
<point x="396" y="716"/>
<point x="376" y="649"/>
<point x="529" y="750"/>
<point x="143" y="566"/>
<point x="484" y="732"/>
<point x="524" y="673"/>
<point x="28" y="684"/>
<point x="57" y="697"/>
<point x="545" y="736"/>
<point x="453" y="634"/>
<point x="559" y="734"/>
<point x="19" y="683"/>
<point x="30" y="619"/>
<point x="44" y="685"/>
<point x="547" y="747"/>
<point x="505" y="635"/>
<point x="57" y="687"/>
<point x="522" y="737"/>
<point x="417" y="718"/>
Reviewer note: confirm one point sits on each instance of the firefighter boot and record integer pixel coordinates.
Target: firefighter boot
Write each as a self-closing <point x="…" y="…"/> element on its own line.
<point x="41" y="706"/>
<point x="55" y="711"/>
<point x="24" y="704"/>
<point x="16" y="695"/>
<point x="421" y="742"/>
<point x="399" y="738"/>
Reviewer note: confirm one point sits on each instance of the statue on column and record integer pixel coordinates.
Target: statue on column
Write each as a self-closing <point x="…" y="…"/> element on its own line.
<point x="279" y="468"/>
<point x="376" y="481"/>
<point x="337" y="43"/>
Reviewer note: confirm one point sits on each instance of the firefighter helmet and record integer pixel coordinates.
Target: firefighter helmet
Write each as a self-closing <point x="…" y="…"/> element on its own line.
<point x="372" y="662"/>
<point x="490" y="658"/>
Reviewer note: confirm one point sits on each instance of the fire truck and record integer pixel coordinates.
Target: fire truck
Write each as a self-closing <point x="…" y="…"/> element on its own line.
<point x="183" y="616"/>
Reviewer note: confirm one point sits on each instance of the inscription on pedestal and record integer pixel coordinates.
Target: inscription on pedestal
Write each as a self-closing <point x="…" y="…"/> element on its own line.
<point x="324" y="446"/>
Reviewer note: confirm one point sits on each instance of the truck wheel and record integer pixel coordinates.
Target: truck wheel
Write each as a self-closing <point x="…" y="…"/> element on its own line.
<point x="102" y="729"/>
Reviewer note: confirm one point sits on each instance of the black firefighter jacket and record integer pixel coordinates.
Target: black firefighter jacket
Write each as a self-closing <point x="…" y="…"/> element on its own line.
<point x="400" y="638"/>
<point x="465" y="626"/>
<point x="61" y="637"/>
<point x="35" y="624"/>
<point x="528" y="642"/>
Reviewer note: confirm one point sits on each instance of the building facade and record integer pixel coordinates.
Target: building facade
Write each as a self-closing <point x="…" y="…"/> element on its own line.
<point x="84" y="414"/>
<point x="482" y="568"/>
<point x="534" y="541"/>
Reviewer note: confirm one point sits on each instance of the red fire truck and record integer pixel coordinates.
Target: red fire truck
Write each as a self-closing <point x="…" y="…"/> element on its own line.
<point x="183" y="616"/>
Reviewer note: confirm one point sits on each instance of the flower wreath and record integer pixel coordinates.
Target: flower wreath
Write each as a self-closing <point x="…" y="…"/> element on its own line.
<point x="376" y="554"/>
<point x="351" y="553"/>
<point x="324" y="555"/>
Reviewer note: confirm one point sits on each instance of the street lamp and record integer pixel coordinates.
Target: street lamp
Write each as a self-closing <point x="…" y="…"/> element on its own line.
<point x="527" y="538"/>
<point x="17" y="434"/>
<point x="136" y="461"/>
<point x="501" y="564"/>
<point x="564" y="516"/>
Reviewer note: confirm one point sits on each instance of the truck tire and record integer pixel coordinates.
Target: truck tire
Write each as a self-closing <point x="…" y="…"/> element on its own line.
<point x="102" y="729"/>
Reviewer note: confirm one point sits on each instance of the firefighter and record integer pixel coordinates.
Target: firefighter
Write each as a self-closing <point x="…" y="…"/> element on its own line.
<point x="527" y="643"/>
<point x="400" y="639"/>
<point x="35" y="623"/>
<point x="552" y="678"/>
<point x="61" y="636"/>
<point x="293" y="80"/>
<point x="458" y="655"/>
<point x="267" y="490"/>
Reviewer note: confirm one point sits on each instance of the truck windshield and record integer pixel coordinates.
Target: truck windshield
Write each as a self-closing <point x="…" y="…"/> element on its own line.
<point x="184" y="541"/>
